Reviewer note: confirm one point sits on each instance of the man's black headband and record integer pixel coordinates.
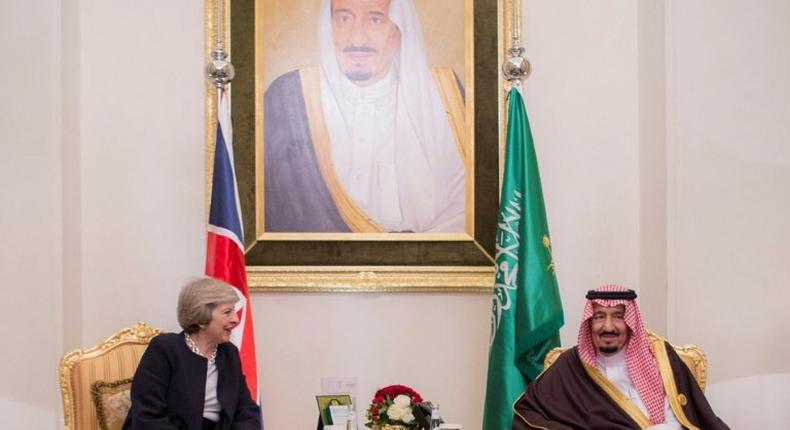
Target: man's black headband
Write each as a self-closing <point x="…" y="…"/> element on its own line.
<point x="611" y="295"/>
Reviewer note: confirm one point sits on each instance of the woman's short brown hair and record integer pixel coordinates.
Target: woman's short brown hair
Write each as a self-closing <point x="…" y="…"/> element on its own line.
<point x="197" y="300"/>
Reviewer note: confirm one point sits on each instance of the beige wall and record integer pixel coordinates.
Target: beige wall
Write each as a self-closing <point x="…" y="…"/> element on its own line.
<point x="582" y="98"/>
<point x="435" y="344"/>
<point x="728" y="187"/>
<point x="142" y="163"/>
<point x="30" y="229"/>
<point x="729" y="149"/>
<point x="662" y="140"/>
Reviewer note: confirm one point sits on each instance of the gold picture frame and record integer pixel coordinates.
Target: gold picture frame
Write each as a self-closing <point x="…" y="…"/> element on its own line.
<point x="372" y="262"/>
<point x="326" y="400"/>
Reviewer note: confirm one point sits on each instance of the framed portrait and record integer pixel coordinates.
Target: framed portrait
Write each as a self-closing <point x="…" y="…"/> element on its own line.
<point x="367" y="139"/>
<point x="325" y="403"/>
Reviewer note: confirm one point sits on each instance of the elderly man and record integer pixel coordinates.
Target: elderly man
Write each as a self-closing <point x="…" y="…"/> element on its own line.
<point x="372" y="139"/>
<point x="615" y="378"/>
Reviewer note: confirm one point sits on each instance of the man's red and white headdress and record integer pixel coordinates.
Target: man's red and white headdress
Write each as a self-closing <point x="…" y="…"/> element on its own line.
<point x="639" y="355"/>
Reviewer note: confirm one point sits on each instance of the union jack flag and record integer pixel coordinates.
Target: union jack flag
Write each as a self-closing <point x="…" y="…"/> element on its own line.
<point x="225" y="245"/>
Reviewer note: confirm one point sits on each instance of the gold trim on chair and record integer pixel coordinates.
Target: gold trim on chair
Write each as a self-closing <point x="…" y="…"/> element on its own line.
<point x="692" y="355"/>
<point x="139" y="334"/>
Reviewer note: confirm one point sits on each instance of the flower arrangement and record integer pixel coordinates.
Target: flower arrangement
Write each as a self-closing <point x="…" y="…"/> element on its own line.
<point x="392" y="405"/>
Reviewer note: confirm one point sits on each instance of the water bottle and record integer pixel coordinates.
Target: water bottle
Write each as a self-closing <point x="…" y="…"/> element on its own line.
<point x="436" y="419"/>
<point x="351" y="422"/>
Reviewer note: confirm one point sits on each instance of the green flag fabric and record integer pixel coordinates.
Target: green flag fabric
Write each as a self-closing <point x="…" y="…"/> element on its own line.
<point x="526" y="312"/>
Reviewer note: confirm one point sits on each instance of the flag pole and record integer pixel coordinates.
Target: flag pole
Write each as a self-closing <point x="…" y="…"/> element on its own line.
<point x="219" y="70"/>
<point x="516" y="68"/>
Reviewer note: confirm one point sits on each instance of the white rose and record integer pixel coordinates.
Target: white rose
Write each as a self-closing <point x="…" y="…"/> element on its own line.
<point x="407" y="417"/>
<point x="402" y="400"/>
<point x="395" y="412"/>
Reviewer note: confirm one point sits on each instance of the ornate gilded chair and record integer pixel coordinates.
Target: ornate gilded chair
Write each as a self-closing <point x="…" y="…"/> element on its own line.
<point x="94" y="382"/>
<point x="692" y="355"/>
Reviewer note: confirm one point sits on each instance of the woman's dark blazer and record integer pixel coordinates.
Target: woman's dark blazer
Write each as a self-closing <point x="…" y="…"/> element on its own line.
<point x="169" y="388"/>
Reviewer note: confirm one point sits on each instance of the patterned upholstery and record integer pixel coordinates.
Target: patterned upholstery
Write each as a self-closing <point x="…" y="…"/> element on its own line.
<point x="692" y="355"/>
<point x="112" y="360"/>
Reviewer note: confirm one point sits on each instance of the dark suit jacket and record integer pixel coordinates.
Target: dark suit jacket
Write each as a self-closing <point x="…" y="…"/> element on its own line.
<point x="169" y="387"/>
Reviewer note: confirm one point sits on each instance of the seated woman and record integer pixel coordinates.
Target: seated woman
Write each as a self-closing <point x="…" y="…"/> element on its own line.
<point x="193" y="380"/>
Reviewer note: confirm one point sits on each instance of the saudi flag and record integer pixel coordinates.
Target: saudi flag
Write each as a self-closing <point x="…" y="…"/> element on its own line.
<point x="527" y="312"/>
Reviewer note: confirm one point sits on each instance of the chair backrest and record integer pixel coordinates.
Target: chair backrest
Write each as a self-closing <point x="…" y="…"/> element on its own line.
<point x="691" y="355"/>
<point x="109" y="362"/>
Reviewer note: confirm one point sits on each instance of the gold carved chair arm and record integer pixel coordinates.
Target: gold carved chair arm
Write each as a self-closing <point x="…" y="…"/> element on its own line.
<point x="692" y="355"/>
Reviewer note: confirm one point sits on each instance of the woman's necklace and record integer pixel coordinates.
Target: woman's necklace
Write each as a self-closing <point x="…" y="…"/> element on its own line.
<point x="194" y="348"/>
